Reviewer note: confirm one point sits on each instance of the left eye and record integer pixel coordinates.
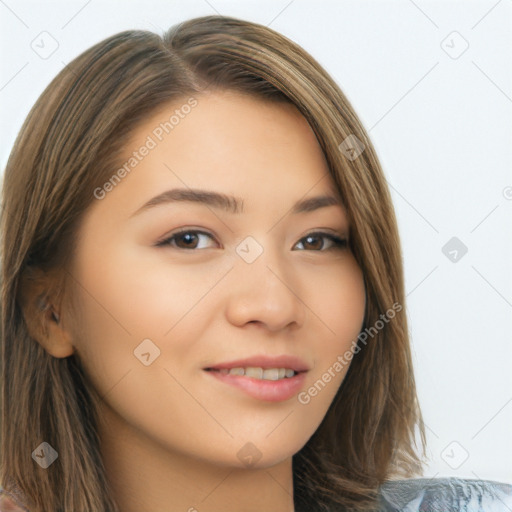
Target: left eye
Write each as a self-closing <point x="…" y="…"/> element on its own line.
<point x="337" y="242"/>
<point x="189" y="240"/>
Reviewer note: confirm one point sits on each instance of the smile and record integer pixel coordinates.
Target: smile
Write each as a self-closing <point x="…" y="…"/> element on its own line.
<point x="258" y="372"/>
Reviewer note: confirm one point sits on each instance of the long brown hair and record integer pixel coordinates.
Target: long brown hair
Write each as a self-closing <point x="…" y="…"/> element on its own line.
<point x="69" y="145"/>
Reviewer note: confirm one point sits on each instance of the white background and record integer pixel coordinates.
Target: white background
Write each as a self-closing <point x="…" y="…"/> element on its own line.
<point x="442" y="129"/>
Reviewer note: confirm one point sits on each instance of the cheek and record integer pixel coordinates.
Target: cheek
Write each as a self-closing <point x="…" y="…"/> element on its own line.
<point x="129" y="294"/>
<point x="341" y="300"/>
<point x="139" y="291"/>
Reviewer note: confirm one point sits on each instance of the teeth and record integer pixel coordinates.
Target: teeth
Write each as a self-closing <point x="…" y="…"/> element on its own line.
<point x="255" y="373"/>
<point x="271" y="374"/>
<point x="260" y="373"/>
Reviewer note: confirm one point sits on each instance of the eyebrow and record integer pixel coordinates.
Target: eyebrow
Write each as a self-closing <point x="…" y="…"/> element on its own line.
<point x="230" y="204"/>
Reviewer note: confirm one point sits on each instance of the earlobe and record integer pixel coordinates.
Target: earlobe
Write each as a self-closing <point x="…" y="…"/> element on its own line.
<point x="43" y="321"/>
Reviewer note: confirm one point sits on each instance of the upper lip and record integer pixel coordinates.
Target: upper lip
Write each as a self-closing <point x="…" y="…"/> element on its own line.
<point x="265" y="362"/>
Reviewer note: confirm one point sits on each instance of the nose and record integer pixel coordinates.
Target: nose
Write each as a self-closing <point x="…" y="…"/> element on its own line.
<point x="265" y="292"/>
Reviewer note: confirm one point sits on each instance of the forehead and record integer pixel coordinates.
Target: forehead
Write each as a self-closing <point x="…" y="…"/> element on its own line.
<point x="227" y="128"/>
<point x="265" y="153"/>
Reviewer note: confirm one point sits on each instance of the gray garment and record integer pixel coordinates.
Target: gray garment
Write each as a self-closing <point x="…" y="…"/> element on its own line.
<point x="445" y="495"/>
<point x="410" y="495"/>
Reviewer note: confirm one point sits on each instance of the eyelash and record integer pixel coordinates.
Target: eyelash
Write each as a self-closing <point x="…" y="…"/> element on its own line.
<point x="339" y="243"/>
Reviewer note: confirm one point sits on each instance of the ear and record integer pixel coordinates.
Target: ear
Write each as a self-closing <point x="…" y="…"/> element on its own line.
<point x="40" y="305"/>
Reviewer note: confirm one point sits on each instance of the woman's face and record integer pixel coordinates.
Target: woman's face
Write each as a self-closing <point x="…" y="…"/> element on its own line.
<point x="173" y="292"/>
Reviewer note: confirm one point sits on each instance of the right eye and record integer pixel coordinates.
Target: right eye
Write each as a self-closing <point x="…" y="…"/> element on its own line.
<point x="184" y="239"/>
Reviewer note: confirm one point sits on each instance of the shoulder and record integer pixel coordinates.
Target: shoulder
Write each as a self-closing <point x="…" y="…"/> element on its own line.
<point x="445" y="494"/>
<point x="10" y="501"/>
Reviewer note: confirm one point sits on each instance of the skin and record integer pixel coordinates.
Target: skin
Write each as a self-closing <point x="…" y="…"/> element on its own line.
<point x="170" y="432"/>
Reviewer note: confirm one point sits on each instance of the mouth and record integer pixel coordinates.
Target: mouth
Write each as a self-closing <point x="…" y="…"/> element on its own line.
<point x="259" y="373"/>
<point x="270" y="379"/>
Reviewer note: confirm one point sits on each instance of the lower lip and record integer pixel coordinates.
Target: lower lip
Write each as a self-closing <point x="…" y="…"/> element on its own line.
<point x="268" y="390"/>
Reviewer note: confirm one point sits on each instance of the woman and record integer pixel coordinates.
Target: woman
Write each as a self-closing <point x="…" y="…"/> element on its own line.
<point x="202" y="290"/>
